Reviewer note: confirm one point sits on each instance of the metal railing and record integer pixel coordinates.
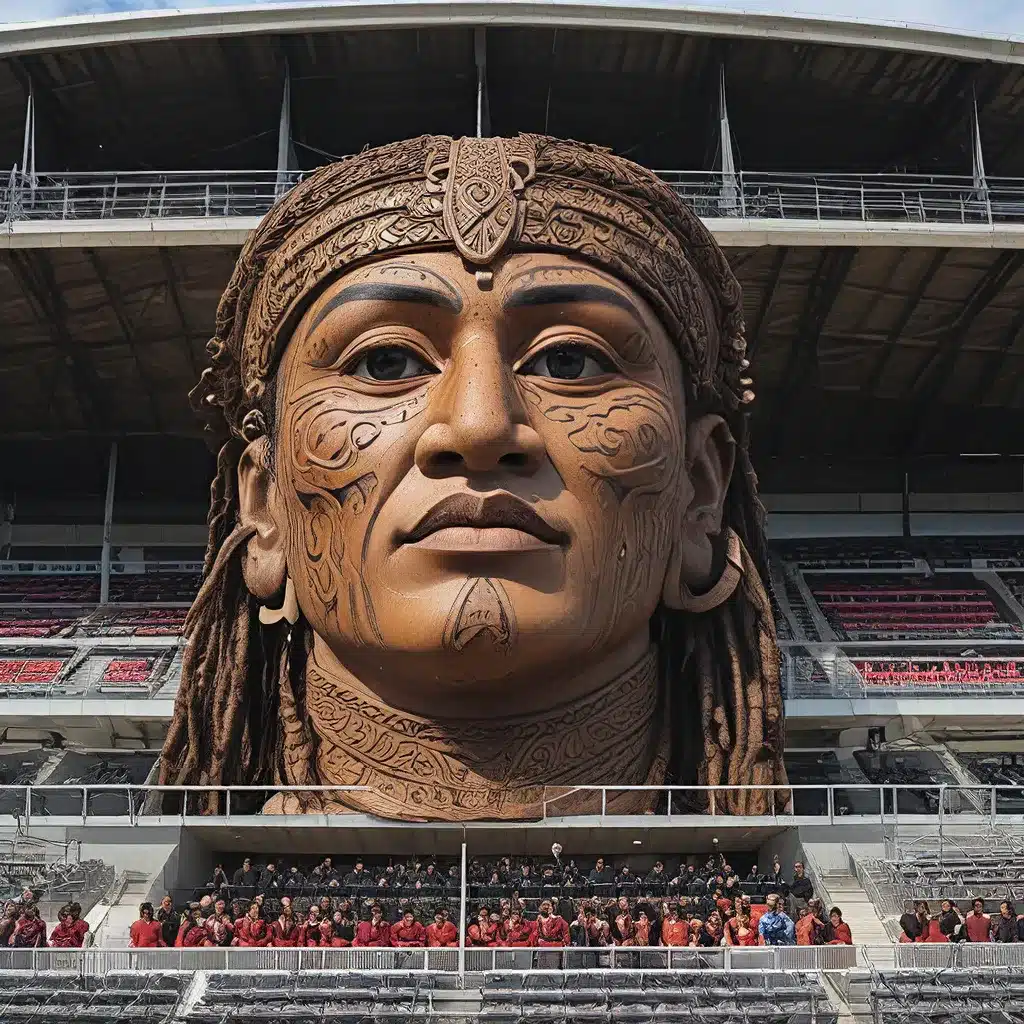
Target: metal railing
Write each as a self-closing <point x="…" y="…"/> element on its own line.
<point x="95" y="960"/>
<point x="759" y="959"/>
<point x="77" y="567"/>
<point x="144" y="195"/>
<point x="845" y="803"/>
<point x="755" y="195"/>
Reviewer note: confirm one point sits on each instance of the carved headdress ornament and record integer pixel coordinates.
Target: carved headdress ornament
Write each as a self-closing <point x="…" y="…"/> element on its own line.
<point x="484" y="198"/>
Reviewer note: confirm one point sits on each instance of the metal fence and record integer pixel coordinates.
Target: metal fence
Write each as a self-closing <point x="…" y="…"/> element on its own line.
<point x="611" y="958"/>
<point x="920" y="956"/>
<point x="849" y="803"/>
<point x="757" y="195"/>
<point x="143" y="195"/>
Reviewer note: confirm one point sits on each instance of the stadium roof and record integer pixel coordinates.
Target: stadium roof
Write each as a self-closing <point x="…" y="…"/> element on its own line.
<point x="881" y="349"/>
<point x="670" y="16"/>
<point x="804" y="93"/>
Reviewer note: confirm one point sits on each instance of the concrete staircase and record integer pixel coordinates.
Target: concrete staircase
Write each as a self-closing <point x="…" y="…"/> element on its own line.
<point x="845" y="891"/>
<point x="114" y="920"/>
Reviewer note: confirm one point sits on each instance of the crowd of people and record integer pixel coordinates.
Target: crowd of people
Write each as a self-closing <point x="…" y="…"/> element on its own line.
<point x="22" y="927"/>
<point x="512" y="905"/>
<point x="951" y="924"/>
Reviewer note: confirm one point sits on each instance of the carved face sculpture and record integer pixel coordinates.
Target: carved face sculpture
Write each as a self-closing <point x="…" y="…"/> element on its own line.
<point x="481" y="403"/>
<point x="474" y="485"/>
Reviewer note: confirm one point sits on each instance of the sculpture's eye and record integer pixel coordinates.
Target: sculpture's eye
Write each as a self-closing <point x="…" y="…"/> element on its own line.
<point x="568" y="362"/>
<point x="390" y="362"/>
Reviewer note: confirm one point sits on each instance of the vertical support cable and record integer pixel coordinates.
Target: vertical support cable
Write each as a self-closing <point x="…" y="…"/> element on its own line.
<point x="28" y="141"/>
<point x="284" y="133"/>
<point x="730" y="206"/>
<point x="462" y="921"/>
<point x="108" y="517"/>
<point x="978" y="177"/>
<point x="483" y="112"/>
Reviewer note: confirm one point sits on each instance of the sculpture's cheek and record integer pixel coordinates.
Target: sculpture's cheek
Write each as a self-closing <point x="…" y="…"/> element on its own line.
<point x="344" y="452"/>
<point x="621" y="454"/>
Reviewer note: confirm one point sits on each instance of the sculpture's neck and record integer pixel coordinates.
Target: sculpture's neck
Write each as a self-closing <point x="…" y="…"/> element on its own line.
<point x="490" y="768"/>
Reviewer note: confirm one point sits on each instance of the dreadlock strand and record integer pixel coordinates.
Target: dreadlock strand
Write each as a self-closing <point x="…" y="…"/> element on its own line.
<point x="215" y="652"/>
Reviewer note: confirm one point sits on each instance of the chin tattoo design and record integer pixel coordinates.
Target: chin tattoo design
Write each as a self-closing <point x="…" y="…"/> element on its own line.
<point x="473" y="363"/>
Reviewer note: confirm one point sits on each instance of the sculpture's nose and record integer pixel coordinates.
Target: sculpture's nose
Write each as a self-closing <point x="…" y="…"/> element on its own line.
<point x="479" y="423"/>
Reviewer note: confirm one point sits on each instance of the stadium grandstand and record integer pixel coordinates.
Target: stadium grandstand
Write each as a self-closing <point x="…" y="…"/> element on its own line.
<point x="867" y="185"/>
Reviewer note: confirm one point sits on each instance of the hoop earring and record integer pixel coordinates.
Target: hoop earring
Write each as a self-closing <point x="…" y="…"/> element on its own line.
<point x="683" y="599"/>
<point x="289" y="610"/>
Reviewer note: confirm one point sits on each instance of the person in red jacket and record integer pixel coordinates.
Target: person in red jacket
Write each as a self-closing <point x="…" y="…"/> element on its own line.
<point x="71" y="930"/>
<point x="442" y="934"/>
<point x="675" y="931"/>
<point x="481" y="932"/>
<point x="193" y="932"/>
<point x="146" y="933"/>
<point x="978" y="924"/>
<point x="515" y="932"/>
<point x="375" y="932"/>
<point x="839" y="932"/>
<point x="408" y="931"/>
<point x="30" y="930"/>
<point x="252" y="930"/>
<point x="285" y="930"/>
<point x="552" y="929"/>
<point x="934" y="932"/>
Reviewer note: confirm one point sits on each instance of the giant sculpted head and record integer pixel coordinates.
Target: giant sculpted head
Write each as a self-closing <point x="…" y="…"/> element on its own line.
<point x="484" y="528"/>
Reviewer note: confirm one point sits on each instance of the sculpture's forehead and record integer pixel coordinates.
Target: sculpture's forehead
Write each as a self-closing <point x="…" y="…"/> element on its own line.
<point x="442" y="282"/>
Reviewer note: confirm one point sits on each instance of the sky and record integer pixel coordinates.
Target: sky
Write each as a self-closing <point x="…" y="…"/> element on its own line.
<point x="991" y="17"/>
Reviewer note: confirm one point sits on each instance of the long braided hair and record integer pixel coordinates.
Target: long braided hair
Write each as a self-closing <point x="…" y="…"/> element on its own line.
<point x="238" y="675"/>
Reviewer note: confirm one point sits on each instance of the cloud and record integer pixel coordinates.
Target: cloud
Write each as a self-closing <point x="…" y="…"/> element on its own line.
<point x="997" y="17"/>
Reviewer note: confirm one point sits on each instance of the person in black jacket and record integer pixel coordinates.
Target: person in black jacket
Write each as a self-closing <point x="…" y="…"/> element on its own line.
<point x="269" y="879"/>
<point x="951" y="922"/>
<point x="800" y="890"/>
<point x="656" y="882"/>
<point x="910" y="926"/>
<point x="627" y="882"/>
<point x="293" y="879"/>
<point x="170" y="920"/>
<point x="1004" y="927"/>
<point x="246" y="875"/>
<point x="601" y="875"/>
<point x="358" y="876"/>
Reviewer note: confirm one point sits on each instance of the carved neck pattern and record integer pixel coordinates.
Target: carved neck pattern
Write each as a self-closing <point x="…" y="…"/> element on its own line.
<point x="461" y="770"/>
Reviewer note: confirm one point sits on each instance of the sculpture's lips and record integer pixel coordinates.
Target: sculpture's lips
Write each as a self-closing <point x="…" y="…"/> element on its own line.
<point x="468" y="522"/>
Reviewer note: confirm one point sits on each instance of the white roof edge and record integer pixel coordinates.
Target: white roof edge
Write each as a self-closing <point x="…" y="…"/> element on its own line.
<point x="148" y="26"/>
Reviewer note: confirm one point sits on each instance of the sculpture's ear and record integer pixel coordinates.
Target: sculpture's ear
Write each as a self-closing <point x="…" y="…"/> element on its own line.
<point x="264" y="564"/>
<point x="710" y="458"/>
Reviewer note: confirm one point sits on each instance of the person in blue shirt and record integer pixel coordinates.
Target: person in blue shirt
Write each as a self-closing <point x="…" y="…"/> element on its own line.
<point x="776" y="927"/>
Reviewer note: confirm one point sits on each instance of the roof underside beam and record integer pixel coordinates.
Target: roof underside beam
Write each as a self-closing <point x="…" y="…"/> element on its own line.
<point x="926" y="394"/>
<point x="113" y="295"/>
<point x="757" y="327"/>
<point x="37" y="281"/>
<point x="935" y="123"/>
<point x="175" y="296"/>
<point x="802" y="365"/>
<point x="886" y="349"/>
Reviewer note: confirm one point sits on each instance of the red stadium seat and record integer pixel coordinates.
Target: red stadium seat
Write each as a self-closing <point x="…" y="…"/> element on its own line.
<point x="128" y="670"/>
<point x="30" y="670"/>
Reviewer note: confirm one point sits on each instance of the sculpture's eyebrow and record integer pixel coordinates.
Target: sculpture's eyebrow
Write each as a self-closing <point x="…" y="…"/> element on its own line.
<point x="389" y="291"/>
<point x="569" y="293"/>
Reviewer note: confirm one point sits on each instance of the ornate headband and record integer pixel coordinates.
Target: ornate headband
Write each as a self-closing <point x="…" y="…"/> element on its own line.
<point x="484" y="198"/>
